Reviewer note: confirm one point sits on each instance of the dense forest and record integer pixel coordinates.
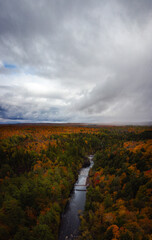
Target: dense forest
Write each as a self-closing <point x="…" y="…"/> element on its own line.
<point x="39" y="165"/>
<point x="119" y="198"/>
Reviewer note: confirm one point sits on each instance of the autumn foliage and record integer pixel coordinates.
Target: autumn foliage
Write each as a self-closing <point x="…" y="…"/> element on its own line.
<point x="119" y="198"/>
<point x="39" y="165"/>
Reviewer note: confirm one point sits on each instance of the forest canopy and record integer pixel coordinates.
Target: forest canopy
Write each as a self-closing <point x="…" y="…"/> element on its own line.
<point x="39" y="165"/>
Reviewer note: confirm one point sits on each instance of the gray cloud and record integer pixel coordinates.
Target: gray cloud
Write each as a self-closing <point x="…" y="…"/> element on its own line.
<point x="76" y="60"/>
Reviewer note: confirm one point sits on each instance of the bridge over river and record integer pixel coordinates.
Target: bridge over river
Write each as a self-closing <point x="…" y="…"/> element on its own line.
<point x="70" y="221"/>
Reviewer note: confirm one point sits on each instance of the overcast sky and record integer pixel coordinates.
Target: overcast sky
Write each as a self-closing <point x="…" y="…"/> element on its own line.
<point x="75" y="60"/>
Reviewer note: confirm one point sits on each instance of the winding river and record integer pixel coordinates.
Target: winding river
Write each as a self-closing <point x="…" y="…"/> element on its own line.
<point x="70" y="222"/>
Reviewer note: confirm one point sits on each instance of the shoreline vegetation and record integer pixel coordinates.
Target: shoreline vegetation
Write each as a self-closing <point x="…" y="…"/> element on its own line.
<point x="39" y="165"/>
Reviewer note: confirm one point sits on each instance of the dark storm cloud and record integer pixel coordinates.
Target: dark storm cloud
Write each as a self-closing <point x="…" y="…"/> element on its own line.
<point x="76" y="60"/>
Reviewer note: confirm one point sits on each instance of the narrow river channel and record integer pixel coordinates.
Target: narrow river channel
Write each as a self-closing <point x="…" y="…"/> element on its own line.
<point x="70" y="222"/>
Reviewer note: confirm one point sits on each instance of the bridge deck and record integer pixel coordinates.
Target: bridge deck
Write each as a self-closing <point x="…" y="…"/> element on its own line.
<point x="81" y="190"/>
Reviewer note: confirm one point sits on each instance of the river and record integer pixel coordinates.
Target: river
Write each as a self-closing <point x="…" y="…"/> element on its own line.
<point x="70" y="222"/>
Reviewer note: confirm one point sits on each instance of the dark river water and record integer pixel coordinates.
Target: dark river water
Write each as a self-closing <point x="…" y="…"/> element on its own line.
<point x="70" y="222"/>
